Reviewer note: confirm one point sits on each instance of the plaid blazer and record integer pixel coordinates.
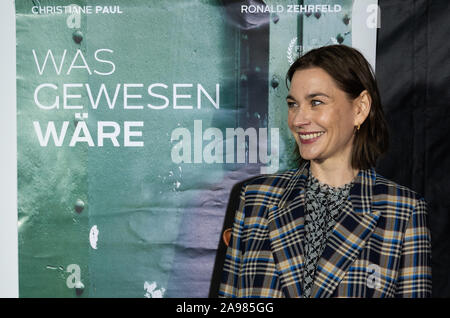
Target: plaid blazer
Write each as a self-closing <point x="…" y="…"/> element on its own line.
<point x="380" y="246"/>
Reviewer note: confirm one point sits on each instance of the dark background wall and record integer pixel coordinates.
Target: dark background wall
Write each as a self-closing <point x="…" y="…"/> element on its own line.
<point x="412" y="70"/>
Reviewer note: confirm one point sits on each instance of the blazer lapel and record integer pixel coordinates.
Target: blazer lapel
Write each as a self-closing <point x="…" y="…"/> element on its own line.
<point x="286" y="233"/>
<point x="354" y="226"/>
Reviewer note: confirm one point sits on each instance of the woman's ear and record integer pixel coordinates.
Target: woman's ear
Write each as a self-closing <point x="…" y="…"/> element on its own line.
<point x="362" y="106"/>
<point x="226" y="236"/>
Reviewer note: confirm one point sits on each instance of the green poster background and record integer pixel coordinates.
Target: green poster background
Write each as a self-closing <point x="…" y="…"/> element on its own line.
<point x="129" y="221"/>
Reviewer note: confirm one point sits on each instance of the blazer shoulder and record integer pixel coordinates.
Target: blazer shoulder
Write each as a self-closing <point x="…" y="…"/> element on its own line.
<point x="266" y="188"/>
<point x="391" y="192"/>
<point x="270" y="180"/>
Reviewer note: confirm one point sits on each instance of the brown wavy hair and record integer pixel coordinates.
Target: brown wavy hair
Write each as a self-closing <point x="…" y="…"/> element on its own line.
<point x="352" y="74"/>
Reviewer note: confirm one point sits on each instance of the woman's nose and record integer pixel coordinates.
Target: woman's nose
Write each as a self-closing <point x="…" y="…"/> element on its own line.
<point x="302" y="117"/>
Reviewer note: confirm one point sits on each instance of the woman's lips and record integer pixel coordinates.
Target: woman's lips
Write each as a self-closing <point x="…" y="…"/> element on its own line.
<point x="309" y="138"/>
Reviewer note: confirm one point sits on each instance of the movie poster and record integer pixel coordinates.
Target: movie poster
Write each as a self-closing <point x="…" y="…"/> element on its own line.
<point x="134" y="121"/>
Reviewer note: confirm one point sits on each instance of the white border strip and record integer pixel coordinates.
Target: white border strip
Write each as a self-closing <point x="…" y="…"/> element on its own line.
<point x="366" y="21"/>
<point x="9" y="265"/>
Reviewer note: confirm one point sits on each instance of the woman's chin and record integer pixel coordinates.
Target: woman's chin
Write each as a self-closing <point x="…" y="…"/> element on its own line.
<point x="308" y="155"/>
<point x="305" y="157"/>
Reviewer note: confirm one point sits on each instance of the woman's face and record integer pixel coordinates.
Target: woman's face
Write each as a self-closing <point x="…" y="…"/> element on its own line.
<point x="321" y="117"/>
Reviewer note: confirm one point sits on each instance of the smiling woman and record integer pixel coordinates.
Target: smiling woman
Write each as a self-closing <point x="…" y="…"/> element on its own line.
<point x="333" y="227"/>
<point x="346" y="84"/>
<point x="322" y="119"/>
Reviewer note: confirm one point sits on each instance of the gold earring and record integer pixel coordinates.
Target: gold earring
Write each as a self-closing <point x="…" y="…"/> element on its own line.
<point x="357" y="127"/>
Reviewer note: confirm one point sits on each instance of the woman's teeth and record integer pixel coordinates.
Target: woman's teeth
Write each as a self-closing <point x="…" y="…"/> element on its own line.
<point x="311" y="136"/>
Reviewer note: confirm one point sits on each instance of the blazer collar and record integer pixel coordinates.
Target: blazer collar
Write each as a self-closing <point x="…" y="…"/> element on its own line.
<point x="286" y="232"/>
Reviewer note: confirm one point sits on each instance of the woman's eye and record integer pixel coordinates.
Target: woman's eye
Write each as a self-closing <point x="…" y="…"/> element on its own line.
<point x="315" y="102"/>
<point x="291" y="104"/>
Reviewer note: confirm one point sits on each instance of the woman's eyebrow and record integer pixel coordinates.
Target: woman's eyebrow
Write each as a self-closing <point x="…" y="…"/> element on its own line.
<point x="309" y="96"/>
<point x="290" y="97"/>
<point x="312" y="95"/>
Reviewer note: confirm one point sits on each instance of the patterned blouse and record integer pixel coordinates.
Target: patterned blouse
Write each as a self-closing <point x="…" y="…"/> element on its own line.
<point x="323" y="205"/>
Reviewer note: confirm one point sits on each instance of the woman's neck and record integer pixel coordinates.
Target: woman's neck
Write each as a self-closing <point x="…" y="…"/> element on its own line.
<point x="335" y="175"/>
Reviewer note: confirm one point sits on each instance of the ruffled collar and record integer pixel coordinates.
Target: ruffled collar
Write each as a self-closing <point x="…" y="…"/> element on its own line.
<point x="314" y="183"/>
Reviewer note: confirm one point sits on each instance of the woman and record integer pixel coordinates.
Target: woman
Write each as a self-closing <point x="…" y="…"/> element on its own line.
<point x="333" y="227"/>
